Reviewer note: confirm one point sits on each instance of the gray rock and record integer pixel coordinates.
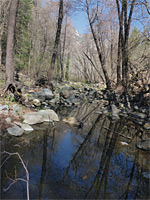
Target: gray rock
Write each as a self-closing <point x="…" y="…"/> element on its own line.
<point x="40" y="117"/>
<point x="4" y="112"/>
<point x="138" y="115"/>
<point x="15" y="131"/>
<point x="17" y="110"/>
<point x="146" y="175"/>
<point x="49" y="115"/>
<point x="25" y="127"/>
<point x="45" y="93"/>
<point x="53" y="102"/>
<point x="4" y="107"/>
<point x="136" y="108"/>
<point x="8" y="120"/>
<point x="144" y="144"/>
<point x="114" y="109"/>
<point x="115" y="117"/>
<point x="33" y="118"/>
<point x="66" y="93"/>
<point x="42" y="127"/>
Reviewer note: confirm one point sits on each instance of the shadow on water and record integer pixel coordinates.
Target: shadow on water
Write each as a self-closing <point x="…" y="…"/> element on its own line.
<point x="69" y="163"/>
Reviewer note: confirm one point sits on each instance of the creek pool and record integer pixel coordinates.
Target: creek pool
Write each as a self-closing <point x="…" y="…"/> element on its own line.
<point x="67" y="162"/>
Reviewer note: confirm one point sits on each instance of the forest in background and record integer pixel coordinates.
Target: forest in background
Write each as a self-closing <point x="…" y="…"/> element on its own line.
<point x="39" y="45"/>
<point x="46" y="45"/>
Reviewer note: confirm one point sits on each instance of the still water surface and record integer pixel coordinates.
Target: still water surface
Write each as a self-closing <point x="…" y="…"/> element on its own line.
<point x="79" y="163"/>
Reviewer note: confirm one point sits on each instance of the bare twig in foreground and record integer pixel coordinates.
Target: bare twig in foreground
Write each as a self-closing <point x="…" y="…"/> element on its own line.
<point x="17" y="179"/>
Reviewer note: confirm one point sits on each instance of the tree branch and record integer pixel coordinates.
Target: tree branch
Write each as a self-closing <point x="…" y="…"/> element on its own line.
<point x="17" y="179"/>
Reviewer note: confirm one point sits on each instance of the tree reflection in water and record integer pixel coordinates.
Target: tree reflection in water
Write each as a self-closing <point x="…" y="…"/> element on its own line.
<point x="66" y="162"/>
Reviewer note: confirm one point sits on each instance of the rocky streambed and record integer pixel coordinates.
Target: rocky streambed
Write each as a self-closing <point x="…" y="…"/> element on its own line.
<point x="102" y="157"/>
<point x="46" y="104"/>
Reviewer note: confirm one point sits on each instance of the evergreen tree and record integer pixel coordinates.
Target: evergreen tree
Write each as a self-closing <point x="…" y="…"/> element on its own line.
<point x="22" y="36"/>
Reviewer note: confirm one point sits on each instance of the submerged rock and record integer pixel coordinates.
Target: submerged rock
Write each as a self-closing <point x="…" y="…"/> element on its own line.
<point x="141" y="116"/>
<point x="15" y="131"/>
<point x="146" y="175"/>
<point x="72" y="121"/>
<point x="144" y="144"/>
<point x="147" y="126"/>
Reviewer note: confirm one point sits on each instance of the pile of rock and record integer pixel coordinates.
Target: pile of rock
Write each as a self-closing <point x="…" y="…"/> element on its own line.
<point x="16" y="128"/>
<point x="65" y="95"/>
<point x="115" y="112"/>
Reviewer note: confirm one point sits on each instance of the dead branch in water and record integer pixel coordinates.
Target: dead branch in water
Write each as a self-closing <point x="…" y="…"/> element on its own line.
<point x="13" y="181"/>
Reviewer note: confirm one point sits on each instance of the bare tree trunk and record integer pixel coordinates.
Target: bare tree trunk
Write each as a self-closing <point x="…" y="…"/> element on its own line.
<point x="124" y="28"/>
<point x="63" y="52"/>
<point x="120" y="42"/>
<point x="125" y="56"/>
<point x="0" y="36"/>
<point x="10" y="42"/>
<point x="0" y="52"/>
<point x="58" y="33"/>
<point x="101" y="55"/>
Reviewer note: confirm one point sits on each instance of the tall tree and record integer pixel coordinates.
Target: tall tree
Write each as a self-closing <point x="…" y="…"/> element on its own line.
<point x="4" y="6"/>
<point x="58" y="34"/>
<point x="100" y="48"/>
<point x="63" y="50"/>
<point x="125" y="12"/>
<point x="10" y="42"/>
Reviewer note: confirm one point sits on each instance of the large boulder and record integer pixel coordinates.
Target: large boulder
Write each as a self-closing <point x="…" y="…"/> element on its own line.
<point x="49" y="115"/>
<point x="40" y="117"/>
<point x="44" y="94"/>
<point x="33" y="118"/>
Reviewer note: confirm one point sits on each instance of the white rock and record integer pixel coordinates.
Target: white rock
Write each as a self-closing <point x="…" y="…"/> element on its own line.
<point x="71" y="120"/>
<point x="15" y="130"/>
<point x="26" y="127"/>
<point x="124" y="143"/>
<point x="49" y="115"/>
<point x="36" y="102"/>
<point x="4" y="107"/>
<point x="33" y="118"/>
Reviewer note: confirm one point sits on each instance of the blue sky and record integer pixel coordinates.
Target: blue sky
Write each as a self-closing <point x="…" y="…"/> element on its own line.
<point x="80" y="22"/>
